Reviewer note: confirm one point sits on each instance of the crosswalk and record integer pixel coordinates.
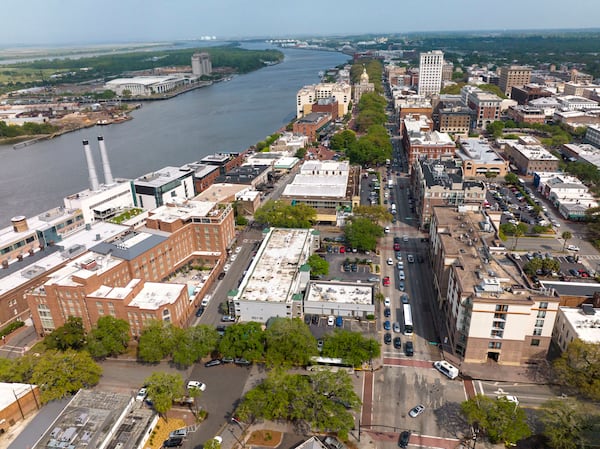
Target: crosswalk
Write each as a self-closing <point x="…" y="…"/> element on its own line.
<point x="590" y="256"/>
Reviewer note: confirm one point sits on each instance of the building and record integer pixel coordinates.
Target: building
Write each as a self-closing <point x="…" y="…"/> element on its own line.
<point x="145" y="86"/>
<point x="486" y="106"/>
<point x="592" y="135"/>
<point x="526" y="114"/>
<point x="529" y="158"/>
<point x="363" y="86"/>
<point x="547" y="104"/>
<point x="99" y="419"/>
<point x="204" y="175"/>
<point x="276" y="277"/>
<point x="163" y="186"/>
<point x="447" y="71"/>
<point x="431" y="66"/>
<point x="311" y="125"/>
<point x="513" y="75"/>
<point x="412" y="105"/>
<point x="201" y="64"/>
<point x="308" y="95"/>
<point x="488" y="314"/>
<point x="422" y="143"/>
<point x="575" y="103"/>
<point x="578" y="89"/>
<point x="17" y="402"/>
<point x="123" y="276"/>
<point x="576" y="323"/>
<point x="455" y="120"/>
<point x="567" y="194"/>
<point x="290" y="143"/>
<point x="331" y="187"/>
<point x="441" y="183"/>
<point x="248" y="175"/>
<point x="245" y="198"/>
<point x="479" y="159"/>
<point x="524" y="94"/>
<point x="346" y="299"/>
<point x="225" y="161"/>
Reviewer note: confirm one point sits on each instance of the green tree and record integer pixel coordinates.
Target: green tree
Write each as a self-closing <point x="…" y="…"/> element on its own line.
<point x="362" y="233"/>
<point x="532" y="266"/>
<point x="213" y="443"/>
<point x="289" y="342"/>
<point x="578" y="367"/>
<point x="566" y="422"/>
<point x="511" y="178"/>
<point x="71" y="335"/>
<point x="108" y="338"/>
<point x="60" y="374"/>
<point x="163" y="389"/>
<point x="156" y="341"/>
<point x="283" y="215"/>
<point x="520" y="230"/>
<point x="566" y="236"/>
<point x="377" y="214"/>
<point x="318" y="265"/>
<point x="342" y="140"/>
<point x="352" y="347"/>
<point x="243" y="340"/>
<point x="193" y="343"/>
<point x="501" y="420"/>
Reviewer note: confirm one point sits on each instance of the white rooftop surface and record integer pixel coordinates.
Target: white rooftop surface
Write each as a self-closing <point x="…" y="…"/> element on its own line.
<point x="586" y="326"/>
<point x="87" y="193"/>
<point x="34" y="223"/>
<point x="64" y="276"/>
<point x="534" y="152"/>
<point x="82" y="237"/>
<point x="155" y="295"/>
<point x="145" y="80"/>
<point x="184" y="211"/>
<point x="275" y="266"/>
<point x="9" y="390"/>
<point x="325" y="166"/>
<point x="343" y="293"/>
<point x="317" y="186"/>
<point x="477" y="150"/>
<point x="116" y="293"/>
<point x="161" y="177"/>
<point x="286" y="162"/>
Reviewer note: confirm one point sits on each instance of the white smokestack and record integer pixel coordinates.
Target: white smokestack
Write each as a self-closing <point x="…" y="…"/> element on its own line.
<point x="108" y="178"/>
<point x="91" y="168"/>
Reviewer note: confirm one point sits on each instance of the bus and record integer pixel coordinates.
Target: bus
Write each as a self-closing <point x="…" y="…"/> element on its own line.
<point x="329" y="364"/>
<point x="408" y="322"/>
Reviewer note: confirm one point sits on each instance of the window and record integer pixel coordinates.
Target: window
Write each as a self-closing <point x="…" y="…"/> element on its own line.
<point x="537" y="331"/>
<point x="541" y="314"/>
<point x="539" y="323"/>
<point x="499" y="334"/>
<point x="494" y="345"/>
<point x="535" y="342"/>
<point x="501" y="308"/>
<point x="543" y="305"/>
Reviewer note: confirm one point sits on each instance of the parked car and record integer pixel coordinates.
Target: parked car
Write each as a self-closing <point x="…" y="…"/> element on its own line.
<point x="572" y="248"/>
<point x="173" y="442"/>
<point x="416" y="410"/>
<point x="319" y="345"/>
<point x="401" y="275"/>
<point x="387" y="325"/>
<point x="409" y="350"/>
<point x="373" y="279"/>
<point x="390" y="261"/>
<point x="396" y="327"/>
<point x="213" y="362"/>
<point x="574" y="272"/>
<point x="141" y="395"/>
<point x="307" y="318"/>
<point x="387" y="338"/>
<point x="401" y="286"/>
<point x="397" y="343"/>
<point x="242" y="361"/>
<point x="178" y="433"/>
<point x="404" y="439"/>
<point x="387" y="301"/>
<point x="571" y="259"/>
<point x="196" y="384"/>
<point x="330" y="320"/>
<point x="227" y="318"/>
<point x="387" y="312"/>
<point x="339" y="321"/>
<point x="200" y="311"/>
<point x="221" y="275"/>
<point x="386" y="281"/>
<point x="315" y="319"/>
<point x="405" y="299"/>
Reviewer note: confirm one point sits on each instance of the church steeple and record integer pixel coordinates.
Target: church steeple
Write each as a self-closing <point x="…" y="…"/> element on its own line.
<point x="364" y="77"/>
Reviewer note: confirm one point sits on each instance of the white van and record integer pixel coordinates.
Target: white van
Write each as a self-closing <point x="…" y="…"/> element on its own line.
<point x="445" y="368"/>
<point x="206" y="300"/>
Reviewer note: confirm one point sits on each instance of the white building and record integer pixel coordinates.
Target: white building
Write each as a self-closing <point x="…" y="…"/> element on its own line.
<point x="575" y="103"/>
<point x="166" y="185"/>
<point x="146" y="85"/>
<point x="103" y="203"/>
<point x="309" y="95"/>
<point x="430" y="72"/>
<point x="201" y="64"/>
<point x="276" y="277"/>
<point x="576" y="323"/>
<point x="592" y="135"/>
<point x="346" y="299"/>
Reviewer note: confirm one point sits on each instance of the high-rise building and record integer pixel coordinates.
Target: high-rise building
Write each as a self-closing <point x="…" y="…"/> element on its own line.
<point x="513" y="75"/>
<point x="430" y="72"/>
<point x="201" y="64"/>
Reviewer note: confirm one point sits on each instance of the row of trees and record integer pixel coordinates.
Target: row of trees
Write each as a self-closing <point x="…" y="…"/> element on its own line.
<point x="284" y="215"/>
<point x="285" y="342"/>
<point x="28" y="129"/>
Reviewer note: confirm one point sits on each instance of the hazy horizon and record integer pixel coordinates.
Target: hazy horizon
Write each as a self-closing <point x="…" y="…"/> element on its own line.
<point x="73" y="22"/>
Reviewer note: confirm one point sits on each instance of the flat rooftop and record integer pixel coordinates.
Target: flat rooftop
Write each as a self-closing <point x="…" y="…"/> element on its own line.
<point x="84" y="267"/>
<point x="477" y="150"/>
<point x="586" y="326"/>
<point x="272" y="273"/>
<point x="155" y="295"/>
<point x="340" y="293"/>
<point x="533" y="152"/>
<point x="184" y="211"/>
<point x="9" y="392"/>
<point x="130" y="244"/>
<point x="163" y="176"/>
<point x="219" y="192"/>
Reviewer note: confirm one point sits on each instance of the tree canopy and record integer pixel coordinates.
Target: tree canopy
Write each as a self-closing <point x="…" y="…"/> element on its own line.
<point x="71" y="335"/>
<point x="245" y="340"/>
<point x="362" y="233"/>
<point x="109" y="337"/>
<point x="318" y="265"/>
<point x="289" y="342"/>
<point x="567" y="423"/>
<point x="377" y="214"/>
<point x="163" y="389"/>
<point x="352" y="347"/>
<point x="283" y="215"/>
<point x="579" y="367"/>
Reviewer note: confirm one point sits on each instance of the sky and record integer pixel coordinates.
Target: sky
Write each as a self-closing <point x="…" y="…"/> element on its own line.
<point x="71" y="22"/>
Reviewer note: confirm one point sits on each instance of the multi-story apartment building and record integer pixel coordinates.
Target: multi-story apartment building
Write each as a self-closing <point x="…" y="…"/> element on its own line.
<point x="524" y="94"/>
<point x="311" y="124"/>
<point x="160" y="187"/>
<point x="488" y="314"/>
<point x="485" y="105"/>
<point x="513" y="75"/>
<point x="308" y="95"/>
<point x="526" y="114"/>
<point x="201" y="64"/>
<point x="479" y="159"/>
<point x="441" y="183"/>
<point x="592" y="135"/>
<point x="530" y="157"/>
<point x="455" y="120"/>
<point x="430" y="72"/>
<point x="124" y="275"/>
<point x="422" y="143"/>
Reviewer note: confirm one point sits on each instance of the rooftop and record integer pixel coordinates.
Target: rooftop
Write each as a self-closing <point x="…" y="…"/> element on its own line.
<point x="84" y="267"/>
<point x="145" y="80"/>
<point x="129" y="244"/>
<point x="155" y="295"/>
<point x="220" y="192"/>
<point x="477" y="150"/>
<point x="533" y="152"/>
<point x="184" y="211"/>
<point x="163" y="176"/>
<point x="314" y="117"/>
<point x="270" y="276"/>
<point x="340" y="292"/>
<point x="11" y="392"/>
<point x="587" y="325"/>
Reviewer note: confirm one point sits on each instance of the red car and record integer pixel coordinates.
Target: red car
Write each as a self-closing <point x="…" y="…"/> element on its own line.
<point x="386" y="281"/>
<point x="342" y="250"/>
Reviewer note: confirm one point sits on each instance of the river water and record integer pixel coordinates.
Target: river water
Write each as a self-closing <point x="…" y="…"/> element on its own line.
<point x="225" y="117"/>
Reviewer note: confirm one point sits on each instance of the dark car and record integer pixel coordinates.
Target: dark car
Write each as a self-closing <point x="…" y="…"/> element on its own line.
<point x="221" y="330"/>
<point x="315" y="319"/>
<point x="573" y="272"/>
<point x="242" y="362"/>
<point x="213" y="362"/>
<point x="387" y="325"/>
<point x="200" y="311"/>
<point x="387" y="338"/>
<point x="571" y="259"/>
<point x="221" y="275"/>
<point x="173" y="442"/>
<point x="404" y="438"/>
<point x="397" y="343"/>
<point x="404" y="299"/>
<point x="409" y="349"/>
<point x="387" y="312"/>
<point x="307" y="318"/>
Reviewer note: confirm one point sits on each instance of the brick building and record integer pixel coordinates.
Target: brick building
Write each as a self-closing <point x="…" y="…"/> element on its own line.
<point x="310" y="125"/>
<point x="422" y="143"/>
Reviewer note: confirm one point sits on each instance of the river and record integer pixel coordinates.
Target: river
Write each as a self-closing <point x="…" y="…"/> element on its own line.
<point x="225" y="117"/>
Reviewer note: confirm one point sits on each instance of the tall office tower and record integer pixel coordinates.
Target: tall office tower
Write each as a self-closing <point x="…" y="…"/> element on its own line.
<point x="201" y="64"/>
<point x="513" y="75"/>
<point x="430" y="72"/>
